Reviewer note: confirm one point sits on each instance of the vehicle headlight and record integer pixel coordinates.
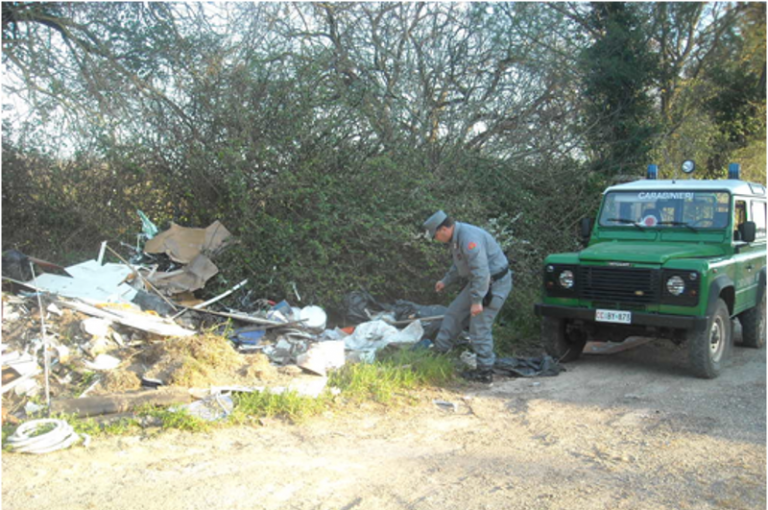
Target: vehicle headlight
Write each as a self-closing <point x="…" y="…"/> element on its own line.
<point x="566" y="279"/>
<point x="675" y="285"/>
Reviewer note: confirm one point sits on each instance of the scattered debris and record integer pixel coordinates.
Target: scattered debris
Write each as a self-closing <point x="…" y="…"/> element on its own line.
<point x="116" y="336"/>
<point x="34" y="436"/>
<point x="16" y="265"/>
<point x="18" y="368"/>
<point x="211" y="408"/>
<point x="103" y="362"/>
<point x="445" y="405"/>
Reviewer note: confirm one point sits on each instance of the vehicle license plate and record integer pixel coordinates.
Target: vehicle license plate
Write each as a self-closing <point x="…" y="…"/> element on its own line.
<point x="613" y="316"/>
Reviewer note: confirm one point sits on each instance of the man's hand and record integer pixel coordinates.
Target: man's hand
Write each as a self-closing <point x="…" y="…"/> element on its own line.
<point x="476" y="310"/>
<point x="439" y="286"/>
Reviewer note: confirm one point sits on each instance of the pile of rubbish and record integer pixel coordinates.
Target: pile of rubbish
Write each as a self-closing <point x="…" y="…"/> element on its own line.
<point x="102" y="338"/>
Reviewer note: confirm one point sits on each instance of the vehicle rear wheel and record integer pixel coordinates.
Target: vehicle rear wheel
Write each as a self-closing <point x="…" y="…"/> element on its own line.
<point x="753" y="325"/>
<point x="709" y="348"/>
<point x="558" y="343"/>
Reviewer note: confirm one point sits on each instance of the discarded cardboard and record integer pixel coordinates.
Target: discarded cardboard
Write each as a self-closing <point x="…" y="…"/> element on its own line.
<point x="190" y="278"/>
<point x="184" y="244"/>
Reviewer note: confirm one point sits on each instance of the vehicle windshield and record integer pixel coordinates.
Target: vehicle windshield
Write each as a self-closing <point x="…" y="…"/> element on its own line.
<point x="694" y="210"/>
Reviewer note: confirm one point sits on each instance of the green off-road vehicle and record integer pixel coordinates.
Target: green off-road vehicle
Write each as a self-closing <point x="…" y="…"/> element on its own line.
<point x="677" y="259"/>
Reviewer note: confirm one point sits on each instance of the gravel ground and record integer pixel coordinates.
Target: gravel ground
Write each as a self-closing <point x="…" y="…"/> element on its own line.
<point x="631" y="430"/>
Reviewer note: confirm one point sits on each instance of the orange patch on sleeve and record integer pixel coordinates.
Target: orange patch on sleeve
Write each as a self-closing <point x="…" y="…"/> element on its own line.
<point x="472" y="246"/>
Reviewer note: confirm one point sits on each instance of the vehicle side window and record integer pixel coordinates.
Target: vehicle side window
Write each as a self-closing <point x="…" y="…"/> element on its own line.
<point x="740" y="217"/>
<point x="757" y="214"/>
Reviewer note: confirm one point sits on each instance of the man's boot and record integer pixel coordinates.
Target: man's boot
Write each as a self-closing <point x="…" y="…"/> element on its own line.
<point x="480" y="374"/>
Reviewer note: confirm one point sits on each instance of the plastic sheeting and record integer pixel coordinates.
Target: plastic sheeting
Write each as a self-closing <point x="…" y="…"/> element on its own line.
<point x="375" y="335"/>
<point x="359" y="306"/>
<point x="544" y="366"/>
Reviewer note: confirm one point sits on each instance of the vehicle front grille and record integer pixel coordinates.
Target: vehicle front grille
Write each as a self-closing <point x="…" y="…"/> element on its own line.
<point x="619" y="284"/>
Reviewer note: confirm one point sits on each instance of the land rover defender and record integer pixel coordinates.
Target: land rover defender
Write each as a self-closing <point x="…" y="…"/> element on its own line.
<point x="678" y="259"/>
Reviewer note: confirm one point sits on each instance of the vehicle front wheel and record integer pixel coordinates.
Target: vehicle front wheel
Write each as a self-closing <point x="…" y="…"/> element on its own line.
<point x="753" y="325"/>
<point x="558" y="343"/>
<point x="709" y="348"/>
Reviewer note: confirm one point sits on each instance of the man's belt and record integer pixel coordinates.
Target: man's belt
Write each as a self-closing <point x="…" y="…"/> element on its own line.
<point x="501" y="274"/>
<point x="494" y="278"/>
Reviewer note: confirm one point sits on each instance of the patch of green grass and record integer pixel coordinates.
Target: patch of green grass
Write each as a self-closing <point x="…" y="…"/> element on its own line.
<point x="95" y="429"/>
<point x="176" y="418"/>
<point x="7" y="431"/>
<point x="120" y="427"/>
<point x="394" y="374"/>
<point x="264" y="404"/>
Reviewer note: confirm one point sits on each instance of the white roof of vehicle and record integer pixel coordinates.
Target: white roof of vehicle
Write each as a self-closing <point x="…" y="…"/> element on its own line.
<point x="735" y="187"/>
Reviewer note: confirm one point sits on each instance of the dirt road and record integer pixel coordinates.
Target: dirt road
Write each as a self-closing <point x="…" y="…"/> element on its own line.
<point x="627" y="431"/>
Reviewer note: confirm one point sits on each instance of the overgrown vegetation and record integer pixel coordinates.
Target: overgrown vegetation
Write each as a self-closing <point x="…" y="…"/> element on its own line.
<point x="323" y="134"/>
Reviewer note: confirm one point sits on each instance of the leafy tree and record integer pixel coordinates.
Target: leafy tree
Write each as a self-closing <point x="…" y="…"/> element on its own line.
<point x="618" y="73"/>
<point x="708" y="99"/>
<point x="323" y="134"/>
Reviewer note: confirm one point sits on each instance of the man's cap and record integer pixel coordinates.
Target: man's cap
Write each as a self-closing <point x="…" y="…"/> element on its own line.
<point x="433" y="222"/>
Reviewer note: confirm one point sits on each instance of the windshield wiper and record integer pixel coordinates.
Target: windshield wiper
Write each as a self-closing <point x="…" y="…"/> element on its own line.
<point x="628" y="222"/>
<point x="678" y="224"/>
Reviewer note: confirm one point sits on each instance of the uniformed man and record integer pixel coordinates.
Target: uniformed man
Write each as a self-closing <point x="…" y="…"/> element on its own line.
<point x="478" y="258"/>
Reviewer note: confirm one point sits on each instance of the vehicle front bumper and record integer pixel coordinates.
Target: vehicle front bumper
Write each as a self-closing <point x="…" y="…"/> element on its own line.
<point x="638" y="319"/>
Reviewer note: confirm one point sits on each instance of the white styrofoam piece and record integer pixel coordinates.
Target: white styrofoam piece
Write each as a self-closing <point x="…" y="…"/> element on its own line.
<point x="90" y="281"/>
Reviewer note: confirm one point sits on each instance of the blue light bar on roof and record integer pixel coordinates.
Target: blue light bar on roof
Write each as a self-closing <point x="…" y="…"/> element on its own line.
<point x="653" y="172"/>
<point x="734" y="171"/>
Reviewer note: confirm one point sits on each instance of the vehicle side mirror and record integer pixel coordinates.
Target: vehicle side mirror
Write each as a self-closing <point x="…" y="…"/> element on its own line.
<point x="586" y="228"/>
<point x="748" y="231"/>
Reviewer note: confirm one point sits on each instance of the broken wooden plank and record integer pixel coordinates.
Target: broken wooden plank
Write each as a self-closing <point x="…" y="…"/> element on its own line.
<point x="144" y="322"/>
<point x="120" y="402"/>
<point x="241" y="317"/>
<point x="408" y="321"/>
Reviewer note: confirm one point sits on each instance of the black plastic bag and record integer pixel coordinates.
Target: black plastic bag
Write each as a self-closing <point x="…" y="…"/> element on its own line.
<point x="406" y="310"/>
<point x="357" y="302"/>
<point x="16" y="266"/>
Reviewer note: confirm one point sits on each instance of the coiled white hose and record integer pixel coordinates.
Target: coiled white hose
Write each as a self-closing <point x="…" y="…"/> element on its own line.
<point x="61" y="436"/>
